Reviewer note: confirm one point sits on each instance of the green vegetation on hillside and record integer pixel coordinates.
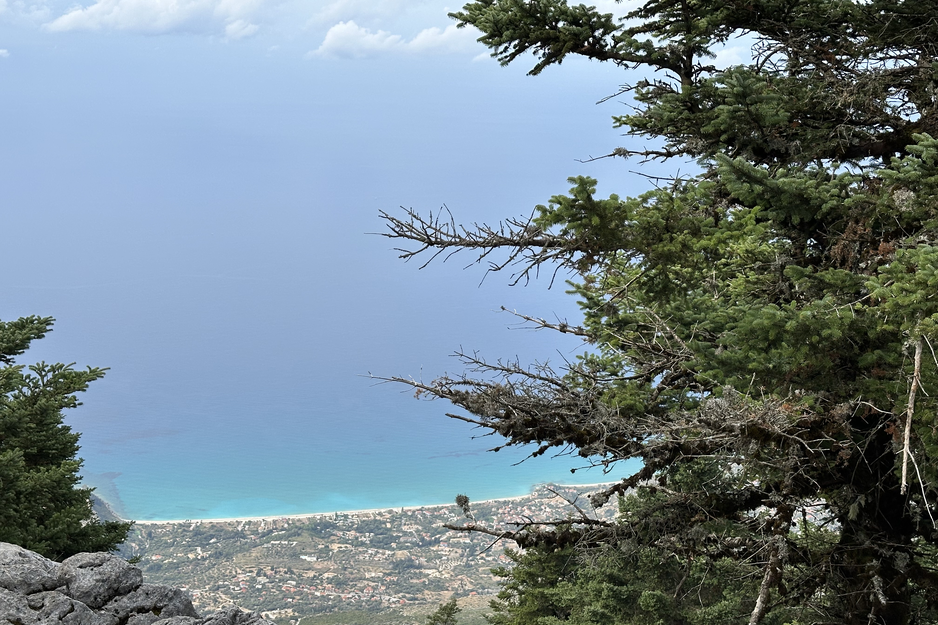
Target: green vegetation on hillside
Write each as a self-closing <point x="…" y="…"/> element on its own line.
<point x="383" y="562"/>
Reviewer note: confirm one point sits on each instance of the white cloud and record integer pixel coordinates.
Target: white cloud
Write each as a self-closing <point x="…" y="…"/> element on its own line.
<point x="239" y="29"/>
<point x="734" y="55"/>
<point x="4" y="53"/>
<point x="450" y="39"/>
<point x="233" y="17"/>
<point x="739" y="52"/>
<point x="349" y="40"/>
<point x="25" y="12"/>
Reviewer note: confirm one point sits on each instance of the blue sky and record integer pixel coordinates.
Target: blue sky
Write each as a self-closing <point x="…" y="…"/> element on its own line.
<point x="342" y="28"/>
<point x="188" y="187"/>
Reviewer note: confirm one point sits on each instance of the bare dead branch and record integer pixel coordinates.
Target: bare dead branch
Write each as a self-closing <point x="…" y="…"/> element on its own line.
<point x="562" y="327"/>
<point x="572" y="503"/>
<point x="769" y="580"/>
<point x="527" y="245"/>
<point x="910" y="410"/>
<point x="647" y="155"/>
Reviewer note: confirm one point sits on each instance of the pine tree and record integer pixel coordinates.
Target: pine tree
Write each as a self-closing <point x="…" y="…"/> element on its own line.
<point x="445" y="614"/>
<point x="631" y="580"/>
<point x="42" y="506"/>
<point x="771" y="318"/>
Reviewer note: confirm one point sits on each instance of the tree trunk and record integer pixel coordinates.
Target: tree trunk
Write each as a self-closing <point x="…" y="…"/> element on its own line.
<point x="873" y="590"/>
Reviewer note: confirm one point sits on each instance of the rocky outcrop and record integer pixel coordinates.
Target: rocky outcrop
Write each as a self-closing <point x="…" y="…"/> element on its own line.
<point x="94" y="589"/>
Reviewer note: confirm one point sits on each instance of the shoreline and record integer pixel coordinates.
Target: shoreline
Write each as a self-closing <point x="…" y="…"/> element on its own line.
<point x="313" y="515"/>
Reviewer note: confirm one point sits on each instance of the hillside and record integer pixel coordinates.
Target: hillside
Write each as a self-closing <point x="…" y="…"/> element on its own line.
<point x="399" y="564"/>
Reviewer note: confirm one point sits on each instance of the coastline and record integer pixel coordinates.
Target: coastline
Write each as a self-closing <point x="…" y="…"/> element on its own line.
<point x="366" y="511"/>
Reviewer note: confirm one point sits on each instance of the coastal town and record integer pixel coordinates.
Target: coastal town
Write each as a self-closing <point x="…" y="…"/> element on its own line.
<point x="399" y="563"/>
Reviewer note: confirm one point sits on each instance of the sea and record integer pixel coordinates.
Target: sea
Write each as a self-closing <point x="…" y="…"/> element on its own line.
<point x="385" y="451"/>
<point x="218" y="404"/>
<point x="232" y="398"/>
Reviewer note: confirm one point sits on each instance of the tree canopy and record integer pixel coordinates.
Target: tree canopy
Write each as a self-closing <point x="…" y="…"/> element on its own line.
<point x="42" y="506"/>
<point x="445" y="614"/>
<point x="768" y="321"/>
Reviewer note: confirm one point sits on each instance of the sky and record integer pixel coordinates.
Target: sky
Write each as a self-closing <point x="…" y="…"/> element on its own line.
<point x="191" y="187"/>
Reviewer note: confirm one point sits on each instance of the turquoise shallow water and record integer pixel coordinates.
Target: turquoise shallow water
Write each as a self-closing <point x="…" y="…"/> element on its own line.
<point x="228" y="398"/>
<point x="235" y="463"/>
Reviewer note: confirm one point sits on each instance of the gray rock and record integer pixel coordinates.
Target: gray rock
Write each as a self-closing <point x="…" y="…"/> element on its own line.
<point x="96" y="578"/>
<point x="25" y="572"/>
<point x="162" y="601"/>
<point x="142" y="619"/>
<point x="94" y="589"/>
<point x="50" y="604"/>
<point x="15" y="609"/>
<point x="180" y="620"/>
<point x="234" y="616"/>
<point x="83" y="615"/>
<point x="53" y="607"/>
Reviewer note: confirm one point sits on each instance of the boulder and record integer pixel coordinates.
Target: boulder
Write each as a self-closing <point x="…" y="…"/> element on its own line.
<point x="15" y="609"/>
<point x="25" y="572"/>
<point x="162" y="601"/>
<point x="96" y="578"/>
<point x="54" y="607"/>
<point x="94" y="589"/>
<point x="234" y="616"/>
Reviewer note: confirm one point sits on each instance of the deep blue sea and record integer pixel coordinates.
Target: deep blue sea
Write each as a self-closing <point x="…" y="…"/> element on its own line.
<point x="381" y="449"/>
<point x="228" y="398"/>
<point x="219" y="404"/>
